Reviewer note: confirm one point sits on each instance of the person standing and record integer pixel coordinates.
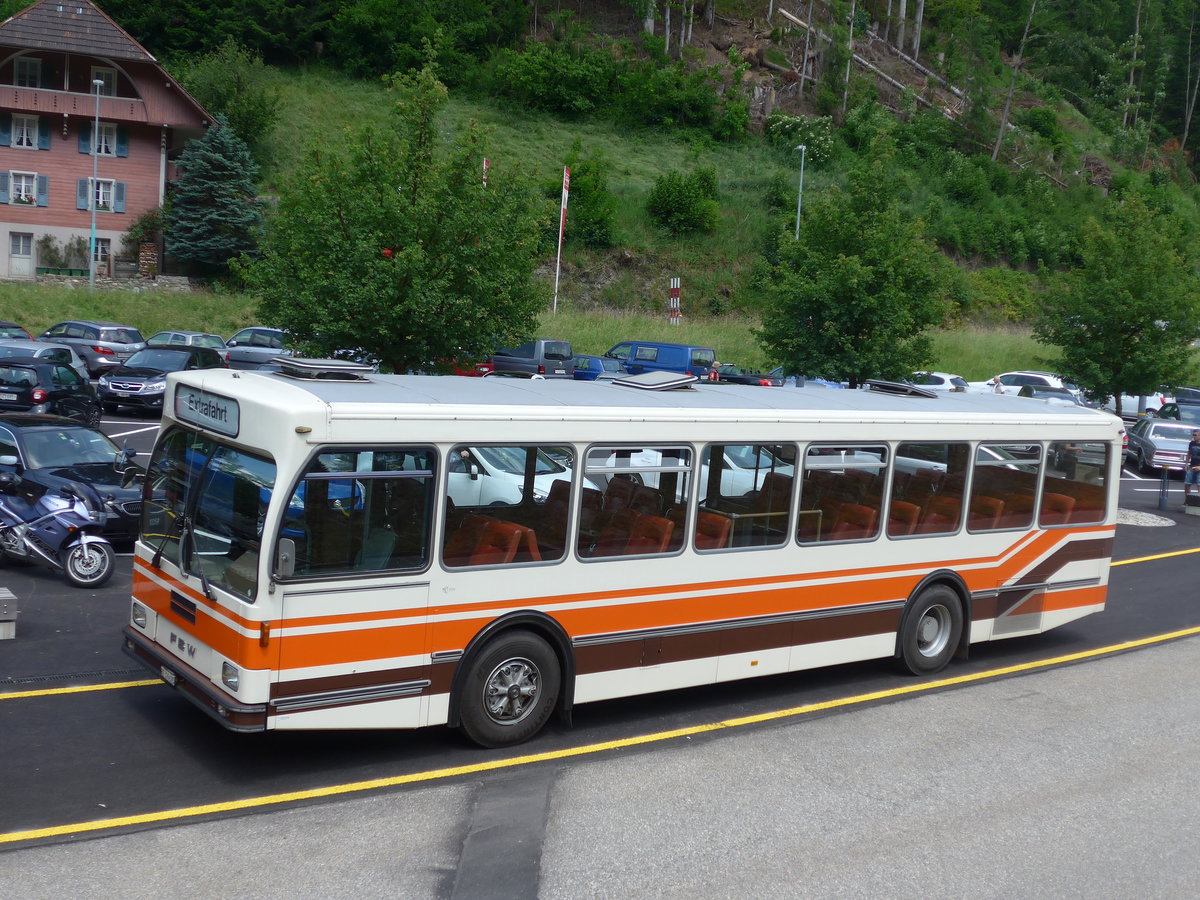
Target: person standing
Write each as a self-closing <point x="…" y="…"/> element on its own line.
<point x="1191" y="470"/>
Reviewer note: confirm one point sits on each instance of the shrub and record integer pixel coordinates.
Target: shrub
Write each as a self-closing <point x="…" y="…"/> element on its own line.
<point x="684" y="203"/>
<point x="815" y="133"/>
<point x="593" y="207"/>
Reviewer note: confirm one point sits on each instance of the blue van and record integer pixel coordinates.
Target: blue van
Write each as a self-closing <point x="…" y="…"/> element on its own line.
<point x="654" y="356"/>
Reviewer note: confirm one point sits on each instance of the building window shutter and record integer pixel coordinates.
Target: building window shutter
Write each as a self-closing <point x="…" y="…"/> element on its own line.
<point x="119" y="196"/>
<point x="5" y="129"/>
<point x="43" y="133"/>
<point x="83" y="193"/>
<point x="85" y="137"/>
<point x="3" y="187"/>
<point x="122" y="141"/>
<point x="43" y="190"/>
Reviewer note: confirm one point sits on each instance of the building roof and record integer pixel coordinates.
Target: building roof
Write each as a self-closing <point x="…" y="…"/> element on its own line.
<point x="71" y="26"/>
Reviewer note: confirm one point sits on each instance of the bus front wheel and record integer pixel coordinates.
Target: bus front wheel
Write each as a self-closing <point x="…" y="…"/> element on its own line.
<point x="510" y="690"/>
<point x="931" y="630"/>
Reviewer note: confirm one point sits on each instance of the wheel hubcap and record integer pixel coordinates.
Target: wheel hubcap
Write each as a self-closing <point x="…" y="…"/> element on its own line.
<point x="87" y="562"/>
<point x="933" y="631"/>
<point x="511" y="691"/>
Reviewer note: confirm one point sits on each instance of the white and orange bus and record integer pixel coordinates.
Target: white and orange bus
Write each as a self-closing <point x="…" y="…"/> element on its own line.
<point x="319" y="548"/>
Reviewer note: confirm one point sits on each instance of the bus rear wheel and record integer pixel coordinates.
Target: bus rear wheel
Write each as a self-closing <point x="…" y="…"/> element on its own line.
<point x="931" y="630"/>
<point x="510" y="690"/>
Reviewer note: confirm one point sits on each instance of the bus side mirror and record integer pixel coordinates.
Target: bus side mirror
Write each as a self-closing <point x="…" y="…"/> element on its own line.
<point x="285" y="559"/>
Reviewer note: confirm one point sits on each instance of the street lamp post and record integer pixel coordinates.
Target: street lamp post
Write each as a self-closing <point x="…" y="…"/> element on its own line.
<point x="96" y="84"/>
<point x="800" y="196"/>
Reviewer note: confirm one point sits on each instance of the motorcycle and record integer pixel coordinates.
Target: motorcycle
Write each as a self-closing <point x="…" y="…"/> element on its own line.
<point x="57" y="530"/>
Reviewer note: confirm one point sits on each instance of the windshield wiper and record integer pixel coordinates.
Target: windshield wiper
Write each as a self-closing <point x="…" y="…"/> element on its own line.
<point x="177" y="525"/>
<point x="188" y="536"/>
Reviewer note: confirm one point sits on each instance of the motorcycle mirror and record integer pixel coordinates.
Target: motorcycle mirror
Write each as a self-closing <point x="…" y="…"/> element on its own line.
<point x="8" y="482"/>
<point x="9" y="460"/>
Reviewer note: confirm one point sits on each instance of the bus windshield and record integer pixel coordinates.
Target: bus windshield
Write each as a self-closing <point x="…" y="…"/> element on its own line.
<point x="204" y="508"/>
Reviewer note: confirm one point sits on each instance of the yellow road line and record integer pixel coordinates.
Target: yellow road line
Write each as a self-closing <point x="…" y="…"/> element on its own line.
<point x="192" y="812"/>
<point x="81" y="689"/>
<point x="1125" y="562"/>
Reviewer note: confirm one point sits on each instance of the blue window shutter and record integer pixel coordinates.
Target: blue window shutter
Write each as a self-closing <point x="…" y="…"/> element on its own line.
<point x="5" y="129"/>
<point x="43" y="190"/>
<point x="122" y="141"/>
<point x="119" y="196"/>
<point x="82" y="194"/>
<point x="43" y="133"/>
<point x="85" y="137"/>
<point x="3" y="187"/>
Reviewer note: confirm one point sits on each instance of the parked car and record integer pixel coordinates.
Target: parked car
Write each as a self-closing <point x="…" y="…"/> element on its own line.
<point x="1048" y="393"/>
<point x="488" y="476"/>
<point x="40" y="386"/>
<point x="1130" y="403"/>
<point x="59" y="353"/>
<point x="186" y="339"/>
<point x="548" y="358"/>
<point x="651" y="356"/>
<point x="596" y="368"/>
<point x="104" y="346"/>
<point x="11" y="331"/>
<point x="939" y="381"/>
<point x="1012" y="382"/>
<point x="728" y="373"/>
<point x="1180" y="412"/>
<point x="251" y="347"/>
<point x="1155" y="443"/>
<point x="49" y="452"/>
<point x="142" y="381"/>
<point x="804" y="380"/>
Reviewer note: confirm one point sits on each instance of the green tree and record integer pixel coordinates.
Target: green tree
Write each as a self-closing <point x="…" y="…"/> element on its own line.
<point x="215" y="213"/>
<point x="593" y="207"/>
<point x="233" y="81"/>
<point x="394" y="245"/>
<point x="1125" y="318"/>
<point x="853" y="297"/>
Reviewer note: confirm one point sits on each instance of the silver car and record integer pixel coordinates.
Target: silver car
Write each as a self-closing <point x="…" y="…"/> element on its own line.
<point x="1156" y="443"/>
<point x="104" y="346"/>
<point x="59" y="353"/>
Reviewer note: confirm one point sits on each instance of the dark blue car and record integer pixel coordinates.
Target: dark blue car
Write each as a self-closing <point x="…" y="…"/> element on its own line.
<point x="596" y="368"/>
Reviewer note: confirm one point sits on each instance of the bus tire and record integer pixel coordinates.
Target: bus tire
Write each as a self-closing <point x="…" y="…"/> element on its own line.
<point x="510" y="690"/>
<point x="931" y="630"/>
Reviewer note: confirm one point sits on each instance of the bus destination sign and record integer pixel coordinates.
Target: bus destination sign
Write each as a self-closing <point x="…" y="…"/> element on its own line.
<point x="211" y="411"/>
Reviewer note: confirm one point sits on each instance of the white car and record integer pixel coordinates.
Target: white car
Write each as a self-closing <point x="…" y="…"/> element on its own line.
<point x="939" y="381"/>
<point x="1012" y="382"/>
<point x="494" y="476"/>
<point x="1129" y="404"/>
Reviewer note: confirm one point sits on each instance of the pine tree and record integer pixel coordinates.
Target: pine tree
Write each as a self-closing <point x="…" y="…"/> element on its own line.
<point x="215" y="213"/>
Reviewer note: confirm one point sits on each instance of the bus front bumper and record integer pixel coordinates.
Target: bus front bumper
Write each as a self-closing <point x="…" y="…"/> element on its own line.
<point x="226" y="709"/>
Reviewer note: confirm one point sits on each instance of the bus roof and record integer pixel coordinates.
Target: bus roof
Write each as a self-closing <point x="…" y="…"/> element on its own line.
<point x="414" y="395"/>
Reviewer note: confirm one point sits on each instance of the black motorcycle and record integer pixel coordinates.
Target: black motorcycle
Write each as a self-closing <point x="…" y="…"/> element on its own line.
<point x="56" y="529"/>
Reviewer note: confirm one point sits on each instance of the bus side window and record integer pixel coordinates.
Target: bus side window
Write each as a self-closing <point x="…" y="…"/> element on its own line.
<point x="936" y="478"/>
<point x="745" y="495"/>
<point x="643" y="505"/>
<point x="361" y="511"/>
<point x="1003" y="486"/>
<point x="1075" y="488"/>
<point x="841" y="497"/>
<point x="507" y="504"/>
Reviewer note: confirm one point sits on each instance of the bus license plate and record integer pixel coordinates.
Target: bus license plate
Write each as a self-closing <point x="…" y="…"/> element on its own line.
<point x="167" y="675"/>
<point x="8" y="396"/>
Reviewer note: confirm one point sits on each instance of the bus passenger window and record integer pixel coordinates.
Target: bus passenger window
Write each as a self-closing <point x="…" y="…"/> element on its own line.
<point x="507" y="504"/>
<point x="1076" y="482"/>
<point x="930" y="477"/>
<point x="360" y="511"/>
<point x="745" y="495"/>
<point x="842" y="493"/>
<point x="1003" y="486"/>
<point x="635" y="501"/>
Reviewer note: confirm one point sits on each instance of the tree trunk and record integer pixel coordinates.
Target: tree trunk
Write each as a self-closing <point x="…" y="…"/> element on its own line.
<point x="1137" y="36"/>
<point x="648" y="22"/>
<point x="1012" y="84"/>
<point x="850" y="61"/>
<point x="667" y="28"/>
<point x="1192" y="87"/>
<point x="901" y="15"/>
<point x="807" y="36"/>
<point x="887" y="22"/>
<point x="916" y="51"/>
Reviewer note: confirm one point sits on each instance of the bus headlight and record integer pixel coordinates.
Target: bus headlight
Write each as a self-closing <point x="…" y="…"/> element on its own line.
<point x="230" y="675"/>
<point x="139" y="615"/>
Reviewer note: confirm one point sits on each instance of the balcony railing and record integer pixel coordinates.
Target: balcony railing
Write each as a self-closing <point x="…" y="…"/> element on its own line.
<point x="67" y="103"/>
